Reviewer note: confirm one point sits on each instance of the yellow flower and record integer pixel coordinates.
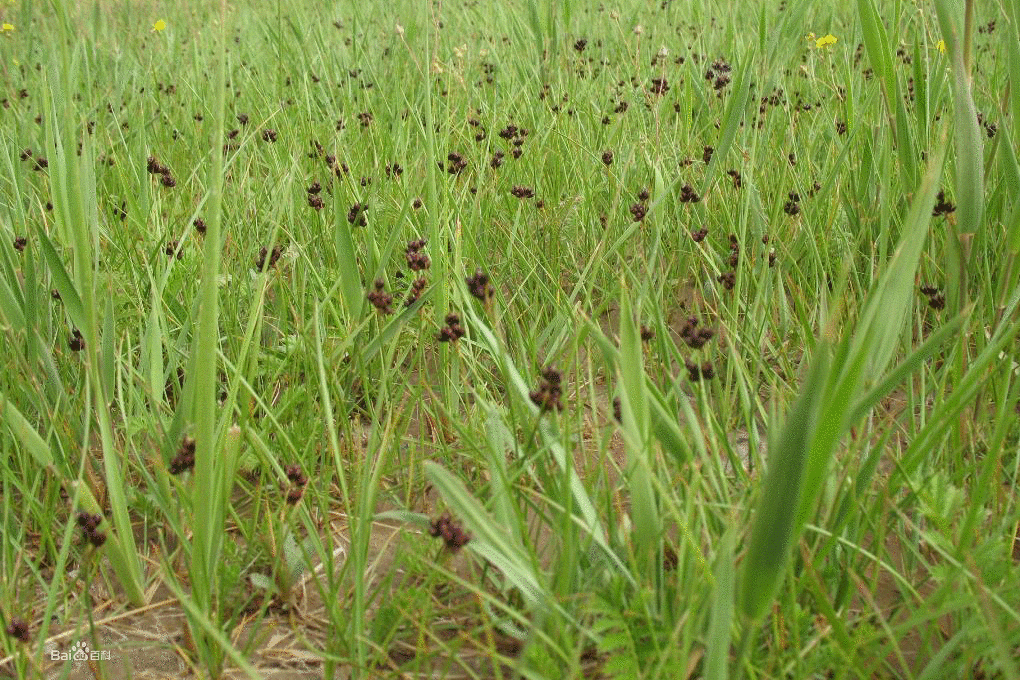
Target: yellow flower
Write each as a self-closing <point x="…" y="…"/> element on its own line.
<point x="941" y="46"/>
<point x="825" y="41"/>
<point x="8" y="27"/>
<point x="159" y="25"/>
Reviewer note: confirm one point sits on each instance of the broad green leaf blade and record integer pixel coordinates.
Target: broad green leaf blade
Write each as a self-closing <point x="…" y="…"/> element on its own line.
<point x="62" y="281"/>
<point x="721" y="621"/>
<point x="634" y="408"/>
<point x="26" y="434"/>
<point x="775" y="529"/>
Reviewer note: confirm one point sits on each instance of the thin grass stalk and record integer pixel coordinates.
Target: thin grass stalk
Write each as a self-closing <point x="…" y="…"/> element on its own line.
<point x="79" y="218"/>
<point x="209" y="483"/>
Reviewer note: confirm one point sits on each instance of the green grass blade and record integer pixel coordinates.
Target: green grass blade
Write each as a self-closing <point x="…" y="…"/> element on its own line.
<point x="775" y="529"/>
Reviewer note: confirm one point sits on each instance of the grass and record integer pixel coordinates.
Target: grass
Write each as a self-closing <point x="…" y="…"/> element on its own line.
<point x="530" y="340"/>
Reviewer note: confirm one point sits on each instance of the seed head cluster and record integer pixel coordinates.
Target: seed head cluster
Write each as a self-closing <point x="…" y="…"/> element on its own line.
<point x="416" y="259"/>
<point x="89" y="525"/>
<point x="936" y="300"/>
<point x="154" y="167"/>
<point x="696" y="372"/>
<point x="76" y="342"/>
<point x="18" y="629"/>
<point x="298" y="481"/>
<point x="452" y="331"/>
<point x="185" y="458"/>
<point x="942" y="206"/>
<point x="693" y="336"/>
<point x="547" y="396"/>
<point x="380" y="299"/>
<point x="478" y="284"/>
<point x="268" y="258"/>
<point x="451" y="532"/>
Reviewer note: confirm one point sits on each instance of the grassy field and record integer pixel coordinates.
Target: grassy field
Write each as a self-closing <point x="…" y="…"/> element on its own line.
<point x="522" y="339"/>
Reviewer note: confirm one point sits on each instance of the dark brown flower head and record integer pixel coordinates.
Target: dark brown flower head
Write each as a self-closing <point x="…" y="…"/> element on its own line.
<point x="26" y="154"/>
<point x="416" y="259"/>
<point x="269" y="135"/>
<point x="55" y="294"/>
<point x="728" y="280"/>
<point x="699" y="235"/>
<point x="638" y="211"/>
<point x="497" y="159"/>
<point x="168" y="180"/>
<point x="509" y="132"/>
<point x="942" y="206"/>
<point x="294" y="494"/>
<point x="417" y="203"/>
<point x="200" y="225"/>
<point x="453" y="330"/>
<point x="693" y="336"/>
<point x="451" y="532"/>
<point x="696" y="372"/>
<point x="18" y="629"/>
<point x="314" y="188"/>
<point x="357" y="215"/>
<point x="456" y="163"/>
<point x="295" y="475"/>
<point x="171" y="250"/>
<point x="380" y="299"/>
<point x="89" y="526"/>
<point x="417" y="288"/>
<point x="88" y="522"/>
<point x="735" y="176"/>
<point x="937" y="301"/>
<point x="643" y="195"/>
<point x="315" y="201"/>
<point x="19" y="243"/>
<point x="242" y="118"/>
<point x="772" y="257"/>
<point x="687" y="194"/>
<point x="659" y="86"/>
<point x="706" y="154"/>
<point x="154" y="167"/>
<point x="479" y="285"/>
<point x="792" y="207"/>
<point x="840" y="127"/>
<point x="185" y="458"/>
<point x="607" y="157"/>
<point x="647" y="333"/>
<point x="232" y="134"/>
<point x="75" y="342"/>
<point x="547" y="396"/>
<point x="522" y="192"/>
<point x="580" y="44"/>
<point x="617" y="410"/>
<point x="268" y="258"/>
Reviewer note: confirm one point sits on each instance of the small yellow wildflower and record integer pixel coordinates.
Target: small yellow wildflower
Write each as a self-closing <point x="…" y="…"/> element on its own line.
<point x="159" y="25"/>
<point x="8" y="27"/>
<point x="941" y="46"/>
<point x="825" y="41"/>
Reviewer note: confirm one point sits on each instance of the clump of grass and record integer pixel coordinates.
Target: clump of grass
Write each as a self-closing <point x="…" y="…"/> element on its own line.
<point x="773" y="275"/>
